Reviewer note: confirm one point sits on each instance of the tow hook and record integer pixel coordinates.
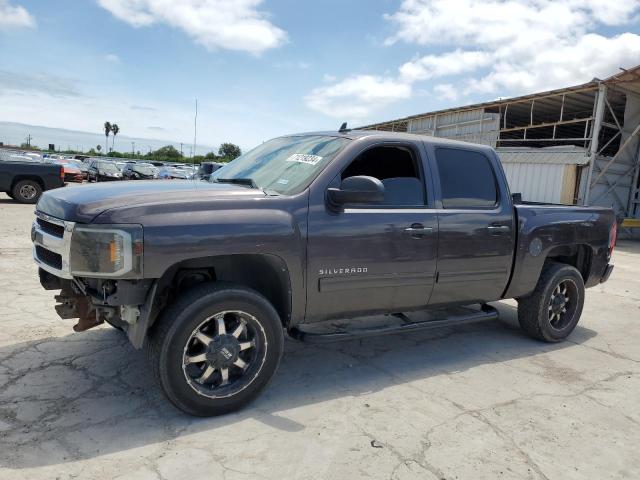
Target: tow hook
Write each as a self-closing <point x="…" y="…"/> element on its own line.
<point x="94" y="318"/>
<point x="73" y="305"/>
<point x="85" y="323"/>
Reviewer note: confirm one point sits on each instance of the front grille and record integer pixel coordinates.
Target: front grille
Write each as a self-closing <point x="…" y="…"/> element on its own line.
<point x="51" y="228"/>
<point x="50" y="258"/>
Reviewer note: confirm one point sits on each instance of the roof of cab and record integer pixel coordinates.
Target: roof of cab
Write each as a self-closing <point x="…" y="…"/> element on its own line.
<point x="396" y="136"/>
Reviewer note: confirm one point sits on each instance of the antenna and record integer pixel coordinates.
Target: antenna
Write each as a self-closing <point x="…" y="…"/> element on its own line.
<point x="343" y="127"/>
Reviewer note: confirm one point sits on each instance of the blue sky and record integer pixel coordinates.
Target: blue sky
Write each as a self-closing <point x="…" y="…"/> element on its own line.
<point x="265" y="68"/>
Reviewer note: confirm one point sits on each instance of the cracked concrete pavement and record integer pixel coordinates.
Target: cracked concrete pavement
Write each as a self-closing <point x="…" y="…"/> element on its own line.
<point x="475" y="402"/>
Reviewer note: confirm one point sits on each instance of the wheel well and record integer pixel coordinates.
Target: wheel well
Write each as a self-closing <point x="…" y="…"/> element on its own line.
<point x="578" y="256"/>
<point x="266" y="274"/>
<point x="19" y="178"/>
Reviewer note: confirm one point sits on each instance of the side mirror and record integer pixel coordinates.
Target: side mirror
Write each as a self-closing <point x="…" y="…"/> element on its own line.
<point x="358" y="189"/>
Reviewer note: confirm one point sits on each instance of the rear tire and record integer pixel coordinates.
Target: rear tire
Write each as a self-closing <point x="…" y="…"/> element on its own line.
<point x="553" y="310"/>
<point x="26" y="191"/>
<point x="215" y="348"/>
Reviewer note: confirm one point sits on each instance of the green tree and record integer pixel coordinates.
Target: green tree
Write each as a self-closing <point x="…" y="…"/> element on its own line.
<point x="168" y="152"/>
<point x="229" y="151"/>
<point x="211" y="156"/>
<point x="114" y="129"/>
<point x="98" y="147"/>
<point x="107" y="130"/>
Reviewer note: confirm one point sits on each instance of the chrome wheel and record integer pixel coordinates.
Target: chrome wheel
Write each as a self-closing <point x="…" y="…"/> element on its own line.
<point x="562" y="304"/>
<point x="28" y="192"/>
<point x="224" y="354"/>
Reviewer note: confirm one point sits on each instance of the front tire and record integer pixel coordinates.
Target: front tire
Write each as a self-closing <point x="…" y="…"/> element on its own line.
<point x="215" y="348"/>
<point x="553" y="310"/>
<point x="26" y="191"/>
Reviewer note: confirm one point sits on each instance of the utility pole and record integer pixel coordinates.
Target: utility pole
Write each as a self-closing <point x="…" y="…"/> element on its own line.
<point x="28" y="139"/>
<point x="180" y="148"/>
<point x="195" y="130"/>
<point x="133" y="149"/>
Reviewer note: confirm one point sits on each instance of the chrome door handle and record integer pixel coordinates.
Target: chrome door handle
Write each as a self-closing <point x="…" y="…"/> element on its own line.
<point x="417" y="230"/>
<point x="498" y="229"/>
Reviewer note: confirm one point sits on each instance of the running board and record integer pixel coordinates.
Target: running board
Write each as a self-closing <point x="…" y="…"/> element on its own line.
<point x="485" y="312"/>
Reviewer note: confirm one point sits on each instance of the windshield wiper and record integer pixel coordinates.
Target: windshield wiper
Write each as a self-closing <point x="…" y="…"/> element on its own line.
<point x="238" y="181"/>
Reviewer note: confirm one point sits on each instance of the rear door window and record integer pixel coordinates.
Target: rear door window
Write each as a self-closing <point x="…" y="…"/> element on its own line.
<point x="466" y="179"/>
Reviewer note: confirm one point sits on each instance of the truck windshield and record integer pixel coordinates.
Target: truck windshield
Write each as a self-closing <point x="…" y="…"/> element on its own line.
<point x="286" y="165"/>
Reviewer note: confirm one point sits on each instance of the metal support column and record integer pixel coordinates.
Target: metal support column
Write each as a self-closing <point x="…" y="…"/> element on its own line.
<point x="595" y="133"/>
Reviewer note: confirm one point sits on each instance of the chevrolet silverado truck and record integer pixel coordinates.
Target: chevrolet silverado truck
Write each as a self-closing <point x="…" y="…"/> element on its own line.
<point x="24" y="182"/>
<point x="301" y="234"/>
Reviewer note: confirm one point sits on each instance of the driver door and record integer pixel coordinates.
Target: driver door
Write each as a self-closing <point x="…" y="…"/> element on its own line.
<point x="367" y="259"/>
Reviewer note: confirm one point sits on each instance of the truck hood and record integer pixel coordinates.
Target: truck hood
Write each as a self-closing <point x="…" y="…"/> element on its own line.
<point x="85" y="202"/>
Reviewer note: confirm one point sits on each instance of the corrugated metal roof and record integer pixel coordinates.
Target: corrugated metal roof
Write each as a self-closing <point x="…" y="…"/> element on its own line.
<point x="625" y="76"/>
<point x="552" y="155"/>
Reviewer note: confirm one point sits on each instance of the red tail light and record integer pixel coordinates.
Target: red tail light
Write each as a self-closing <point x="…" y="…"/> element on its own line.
<point x="62" y="173"/>
<point x="613" y="236"/>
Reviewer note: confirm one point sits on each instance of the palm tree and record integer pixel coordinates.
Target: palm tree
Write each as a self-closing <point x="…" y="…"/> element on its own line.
<point x="107" y="130"/>
<point x="98" y="147"/>
<point x="114" y="129"/>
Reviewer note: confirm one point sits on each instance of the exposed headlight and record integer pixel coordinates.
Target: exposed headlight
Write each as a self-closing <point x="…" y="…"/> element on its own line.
<point x="106" y="251"/>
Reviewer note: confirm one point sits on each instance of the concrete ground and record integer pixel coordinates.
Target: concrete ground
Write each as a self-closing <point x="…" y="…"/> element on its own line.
<point x="476" y="402"/>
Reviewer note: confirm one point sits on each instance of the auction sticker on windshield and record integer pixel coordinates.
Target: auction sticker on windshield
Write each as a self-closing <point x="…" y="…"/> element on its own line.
<point x="304" y="158"/>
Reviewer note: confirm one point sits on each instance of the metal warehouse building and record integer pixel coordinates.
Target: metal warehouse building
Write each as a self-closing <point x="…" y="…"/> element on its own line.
<point x="576" y="145"/>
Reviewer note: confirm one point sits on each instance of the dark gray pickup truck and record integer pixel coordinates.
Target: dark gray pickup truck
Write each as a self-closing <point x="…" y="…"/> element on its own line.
<point x="25" y="181"/>
<point x="300" y="232"/>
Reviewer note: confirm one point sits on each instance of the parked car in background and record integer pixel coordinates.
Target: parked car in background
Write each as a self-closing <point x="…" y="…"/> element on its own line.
<point x="25" y="181"/>
<point x="172" y="173"/>
<point x="35" y="157"/>
<point x="84" y="168"/>
<point x="157" y="164"/>
<point x="139" y="171"/>
<point x="71" y="169"/>
<point x="206" y="169"/>
<point x="103" y="171"/>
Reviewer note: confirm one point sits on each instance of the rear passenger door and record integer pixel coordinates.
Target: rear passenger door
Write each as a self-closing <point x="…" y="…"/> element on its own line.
<point x="475" y="222"/>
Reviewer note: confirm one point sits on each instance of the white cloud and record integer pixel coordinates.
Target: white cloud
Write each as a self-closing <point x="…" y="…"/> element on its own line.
<point x="507" y="47"/>
<point x="14" y="16"/>
<point x="526" y="45"/>
<point x="452" y="63"/>
<point x="112" y="58"/>
<point x="227" y="24"/>
<point x="590" y="56"/>
<point x="353" y="97"/>
<point x="447" y="91"/>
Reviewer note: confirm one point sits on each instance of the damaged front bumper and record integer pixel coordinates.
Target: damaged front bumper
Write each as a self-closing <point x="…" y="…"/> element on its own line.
<point x="125" y="303"/>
